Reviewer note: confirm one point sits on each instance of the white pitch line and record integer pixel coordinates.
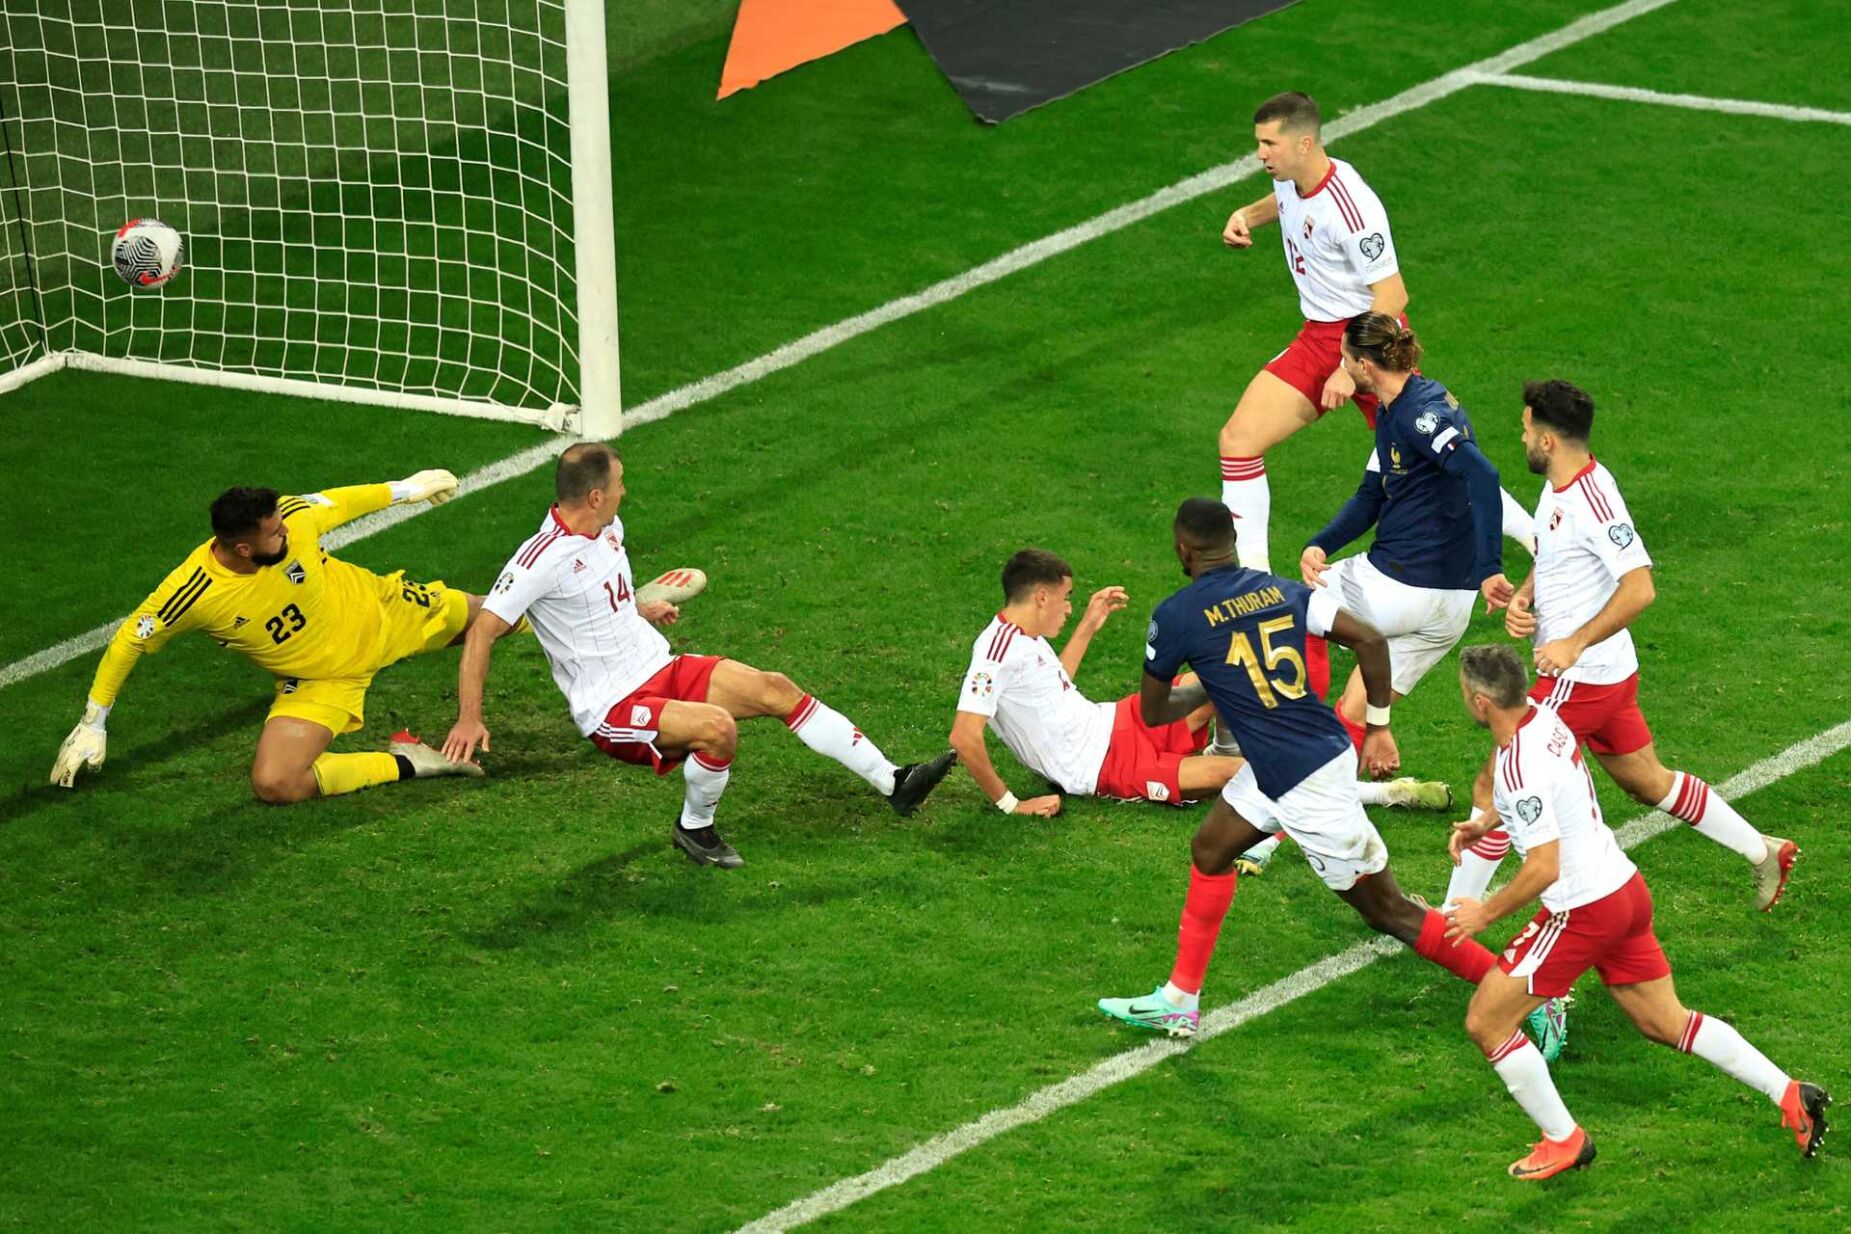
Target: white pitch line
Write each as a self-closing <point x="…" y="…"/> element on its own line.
<point x="819" y="341"/>
<point x="1120" y="1067"/>
<point x="1694" y="102"/>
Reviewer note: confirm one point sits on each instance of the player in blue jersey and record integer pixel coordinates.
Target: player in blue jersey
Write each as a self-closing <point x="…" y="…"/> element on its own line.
<point x="1243" y="632"/>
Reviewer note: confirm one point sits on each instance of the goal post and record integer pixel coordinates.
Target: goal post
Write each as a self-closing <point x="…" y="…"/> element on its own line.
<point x="395" y="202"/>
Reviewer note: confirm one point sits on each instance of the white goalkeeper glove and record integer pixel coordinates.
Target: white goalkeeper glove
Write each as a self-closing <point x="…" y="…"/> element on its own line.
<point x="85" y="747"/>
<point x="435" y="486"/>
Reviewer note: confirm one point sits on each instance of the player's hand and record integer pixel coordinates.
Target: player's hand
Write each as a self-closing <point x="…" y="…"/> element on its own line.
<point x="1040" y="807"/>
<point x="1468" y="833"/>
<point x="1105" y="602"/>
<point x="1519" y="619"/>
<point x="659" y="612"/>
<point x="465" y="736"/>
<point x="1466" y="919"/>
<point x="1311" y="565"/>
<point x="435" y="486"/>
<point x="1380" y="757"/>
<point x="1237" y="235"/>
<point x="1557" y="657"/>
<point x="85" y="746"/>
<point x="1337" y="390"/>
<point x="1497" y="592"/>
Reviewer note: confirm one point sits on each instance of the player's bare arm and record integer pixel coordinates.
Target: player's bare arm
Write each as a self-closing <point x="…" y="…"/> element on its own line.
<point x="1541" y="867"/>
<point x="1162" y="701"/>
<point x="1238" y="234"/>
<point x="659" y="612"/>
<point x="1104" y="602"/>
<point x="1631" y="597"/>
<point x="1389" y="296"/>
<point x="1380" y="758"/>
<point x="471" y="677"/>
<point x="967" y="739"/>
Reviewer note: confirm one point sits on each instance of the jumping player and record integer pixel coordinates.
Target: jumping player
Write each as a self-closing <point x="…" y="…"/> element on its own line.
<point x="1596" y="913"/>
<point x="630" y="696"/>
<point x="1593" y="579"/>
<point x="265" y="587"/>
<point x="1244" y="634"/>
<point x="1340" y="251"/>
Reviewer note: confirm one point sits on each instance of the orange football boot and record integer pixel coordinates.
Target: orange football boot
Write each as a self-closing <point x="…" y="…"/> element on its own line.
<point x="1803" y="1110"/>
<point x="1550" y="1157"/>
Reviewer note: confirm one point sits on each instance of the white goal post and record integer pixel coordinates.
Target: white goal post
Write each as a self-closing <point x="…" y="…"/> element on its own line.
<point x="397" y="202"/>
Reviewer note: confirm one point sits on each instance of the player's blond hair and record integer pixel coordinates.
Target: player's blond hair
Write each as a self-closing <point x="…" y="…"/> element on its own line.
<point x="1384" y="340"/>
<point x="1495" y="671"/>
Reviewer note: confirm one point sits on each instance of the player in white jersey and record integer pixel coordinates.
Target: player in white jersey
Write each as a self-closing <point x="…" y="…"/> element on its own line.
<point x="1592" y="580"/>
<point x="630" y="694"/>
<point x="1340" y="252"/>
<point x="1596" y="913"/>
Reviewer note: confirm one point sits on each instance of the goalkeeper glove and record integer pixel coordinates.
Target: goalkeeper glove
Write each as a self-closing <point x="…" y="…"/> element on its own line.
<point x="435" y="486"/>
<point x="85" y="747"/>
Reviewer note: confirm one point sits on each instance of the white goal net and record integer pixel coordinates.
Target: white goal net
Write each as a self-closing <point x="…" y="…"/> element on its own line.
<point x="395" y="201"/>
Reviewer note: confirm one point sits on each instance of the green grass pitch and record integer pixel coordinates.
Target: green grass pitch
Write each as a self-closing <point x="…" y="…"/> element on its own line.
<point x="508" y="1005"/>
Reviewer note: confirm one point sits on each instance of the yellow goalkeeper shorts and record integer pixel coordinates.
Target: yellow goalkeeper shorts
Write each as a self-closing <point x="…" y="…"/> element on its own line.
<point x="414" y="618"/>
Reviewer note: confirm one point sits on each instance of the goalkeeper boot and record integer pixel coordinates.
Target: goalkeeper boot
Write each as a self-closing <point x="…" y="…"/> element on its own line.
<point x="704" y="846"/>
<point x="1253" y="862"/>
<point x="1548" y="1026"/>
<point x="1412" y="794"/>
<point x="1153" y="1012"/>
<point x="1772" y="871"/>
<point x="913" y="783"/>
<point x="426" y="762"/>
<point x="1551" y="1157"/>
<point x="1802" y="1110"/>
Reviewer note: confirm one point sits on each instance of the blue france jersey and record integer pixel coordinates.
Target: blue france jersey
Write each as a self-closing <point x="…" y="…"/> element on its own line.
<point x="1431" y="494"/>
<point x="1243" y="632"/>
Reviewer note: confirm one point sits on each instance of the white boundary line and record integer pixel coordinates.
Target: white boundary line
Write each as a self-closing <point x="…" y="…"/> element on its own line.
<point x="1199" y="185"/>
<point x="1043" y="1102"/>
<point x="1632" y="94"/>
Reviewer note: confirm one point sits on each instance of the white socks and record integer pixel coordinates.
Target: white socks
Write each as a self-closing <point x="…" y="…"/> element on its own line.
<point x="1245" y="492"/>
<point x="1691" y="800"/>
<point x="1520" y="1065"/>
<point x="1715" y="1042"/>
<point x="829" y="733"/>
<point x="1477" y="866"/>
<point x="1180" y="999"/>
<point x="704" y="781"/>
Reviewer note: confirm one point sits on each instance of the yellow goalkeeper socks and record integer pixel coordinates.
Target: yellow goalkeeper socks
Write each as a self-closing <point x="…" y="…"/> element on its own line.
<point x="349" y="773"/>
<point x="523" y="626"/>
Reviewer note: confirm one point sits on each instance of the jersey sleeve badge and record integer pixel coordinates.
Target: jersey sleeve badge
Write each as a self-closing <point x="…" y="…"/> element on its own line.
<point x="1529" y="809"/>
<point x="1621" y="534"/>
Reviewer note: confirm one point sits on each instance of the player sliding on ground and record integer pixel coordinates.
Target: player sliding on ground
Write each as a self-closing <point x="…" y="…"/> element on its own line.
<point x="1244" y="634"/>
<point x="1596" y="913"/>
<point x="630" y="696"/>
<point x="264" y="587"/>
<point x="1340" y="253"/>
<point x="1593" y="579"/>
<point x="1018" y="682"/>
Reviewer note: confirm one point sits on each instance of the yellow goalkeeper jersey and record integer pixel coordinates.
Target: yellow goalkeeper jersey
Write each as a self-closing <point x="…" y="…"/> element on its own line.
<point x="309" y="616"/>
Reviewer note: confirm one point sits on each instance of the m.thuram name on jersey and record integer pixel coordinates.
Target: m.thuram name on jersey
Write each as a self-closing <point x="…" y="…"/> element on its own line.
<point x="1241" y="605"/>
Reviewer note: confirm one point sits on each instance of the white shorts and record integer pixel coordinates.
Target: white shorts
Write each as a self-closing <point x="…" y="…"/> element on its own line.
<point x="1323" y="813"/>
<point x="1422" y="623"/>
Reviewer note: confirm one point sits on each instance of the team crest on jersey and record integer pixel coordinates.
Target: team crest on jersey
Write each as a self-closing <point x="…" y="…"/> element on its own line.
<point x="1394" y="459"/>
<point x="144" y="627"/>
<point x="1620" y="534"/>
<point x="1307" y="229"/>
<point x="1373" y="245"/>
<point x="610" y="538"/>
<point x="1426" y="422"/>
<point x="1156" y="790"/>
<point x="1555" y="520"/>
<point x="982" y="685"/>
<point x="296" y="573"/>
<point x="1529" y="809"/>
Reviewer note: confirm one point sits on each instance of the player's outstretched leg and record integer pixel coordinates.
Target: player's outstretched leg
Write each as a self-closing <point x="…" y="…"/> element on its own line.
<point x="292" y="764"/>
<point x="1175" y="1006"/>
<point x="1498" y="1008"/>
<point x="745" y="692"/>
<point x="1684" y="796"/>
<point x="1387" y="910"/>
<point x="1269" y="411"/>
<point x="1654" y="1009"/>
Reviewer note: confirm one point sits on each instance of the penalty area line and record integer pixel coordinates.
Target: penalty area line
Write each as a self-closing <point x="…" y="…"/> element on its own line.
<point x="1121" y="1067"/>
<point x="1690" y="102"/>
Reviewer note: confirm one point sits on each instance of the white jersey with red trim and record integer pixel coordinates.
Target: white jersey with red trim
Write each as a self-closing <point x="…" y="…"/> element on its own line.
<point x="1337" y="242"/>
<point x="1585" y="542"/>
<point x="581" y="598"/>
<point x="1542" y="791"/>
<point x="1017" y="682"/>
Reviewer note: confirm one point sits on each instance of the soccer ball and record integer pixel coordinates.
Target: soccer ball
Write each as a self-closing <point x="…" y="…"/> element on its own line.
<point x="147" y="252"/>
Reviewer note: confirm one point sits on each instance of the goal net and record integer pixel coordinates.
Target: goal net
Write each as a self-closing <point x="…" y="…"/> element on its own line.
<point x="404" y="202"/>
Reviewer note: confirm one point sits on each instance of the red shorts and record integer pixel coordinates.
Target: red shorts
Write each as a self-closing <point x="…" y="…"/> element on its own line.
<point x="1607" y="717"/>
<point x="1613" y="936"/>
<point x="628" y="733"/>
<point x="1311" y="358"/>
<point x="1141" y="762"/>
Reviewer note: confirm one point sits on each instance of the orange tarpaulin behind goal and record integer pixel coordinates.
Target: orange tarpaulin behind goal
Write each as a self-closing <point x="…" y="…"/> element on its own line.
<point x="771" y="36"/>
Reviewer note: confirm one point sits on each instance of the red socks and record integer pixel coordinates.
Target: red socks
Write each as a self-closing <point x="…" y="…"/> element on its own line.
<point x="1203" y="910"/>
<point x="1469" y="960"/>
<point x="1355" y="730"/>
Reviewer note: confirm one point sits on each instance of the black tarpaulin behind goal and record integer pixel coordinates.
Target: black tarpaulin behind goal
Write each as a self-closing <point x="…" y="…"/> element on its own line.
<point x="1006" y="56"/>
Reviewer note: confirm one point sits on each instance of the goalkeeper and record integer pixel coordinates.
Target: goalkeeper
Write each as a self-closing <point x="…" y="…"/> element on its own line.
<point x="266" y="588"/>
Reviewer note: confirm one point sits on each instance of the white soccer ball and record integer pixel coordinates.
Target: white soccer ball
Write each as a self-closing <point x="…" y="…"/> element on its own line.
<point x="147" y="252"/>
